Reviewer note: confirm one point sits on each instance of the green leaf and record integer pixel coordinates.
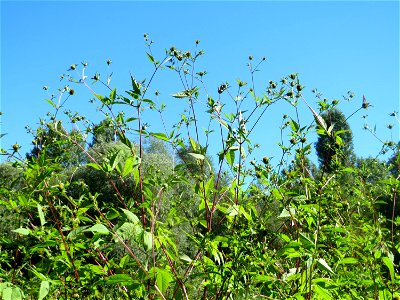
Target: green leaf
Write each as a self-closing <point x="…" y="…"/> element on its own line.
<point x="94" y="166"/>
<point x="22" y="231"/>
<point x="51" y="103"/>
<point x="98" y="228"/>
<point x="295" y="126"/>
<point x="11" y="293"/>
<point x="118" y="157"/>
<point x="348" y="261"/>
<point x="180" y="95"/>
<point x="119" y="279"/>
<point x="389" y="263"/>
<point x="130" y="231"/>
<point x="160" y="135"/>
<point x="151" y="58"/>
<point x="135" y="86"/>
<point x="130" y="162"/>
<point x="193" y="144"/>
<point x="287" y="213"/>
<point x="41" y="214"/>
<point x="44" y="289"/>
<point x="113" y="94"/>
<point x="323" y="265"/>
<point x="163" y="279"/>
<point x="100" y="97"/>
<point x="230" y="157"/>
<point x="185" y="258"/>
<point x="131" y="216"/>
<point x="186" y="93"/>
<point x="232" y="210"/>
<point x="197" y="156"/>
<point x="147" y="240"/>
<point x="322" y="293"/>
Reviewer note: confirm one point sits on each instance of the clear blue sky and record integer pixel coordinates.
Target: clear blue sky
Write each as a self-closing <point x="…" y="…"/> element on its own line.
<point x="334" y="46"/>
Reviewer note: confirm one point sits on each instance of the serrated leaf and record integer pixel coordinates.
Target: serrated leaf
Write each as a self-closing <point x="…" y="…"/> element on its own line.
<point x="163" y="279"/>
<point x="287" y="213"/>
<point x="322" y="293"/>
<point x="119" y="279"/>
<point x="232" y="210"/>
<point x="147" y="240"/>
<point x="41" y="214"/>
<point x="98" y="228"/>
<point x="44" y="289"/>
<point x="22" y="231"/>
<point x="131" y="216"/>
<point x="230" y="157"/>
<point x="130" y="231"/>
<point x="128" y="166"/>
<point x="295" y="126"/>
<point x="118" y="157"/>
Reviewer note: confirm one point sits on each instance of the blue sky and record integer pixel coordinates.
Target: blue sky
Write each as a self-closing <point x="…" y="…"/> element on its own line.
<point x="334" y="46"/>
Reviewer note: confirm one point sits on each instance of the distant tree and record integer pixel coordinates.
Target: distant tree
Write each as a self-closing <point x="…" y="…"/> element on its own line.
<point x="104" y="132"/>
<point x="336" y="148"/>
<point x="11" y="176"/>
<point x="57" y="143"/>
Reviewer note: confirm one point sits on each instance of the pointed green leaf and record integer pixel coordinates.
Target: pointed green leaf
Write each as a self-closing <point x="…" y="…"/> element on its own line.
<point x="160" y="135"/>
<point x="41" y="214"/>
<point x="98" y="228"/>
<point x="119" y="279"/>
<point x="128" y="166"/>
<point x="389" y="263"/>
<point x="348" y="261"/>
<point x="147" y="240"/>
<point x="113" y="94"/>
<point x="44" y="289"/>
<point x="22" y="231"/>
<point x="131" y="216"/>
<point x="230" y="157"/>
<point x="94" y="166"/>
<point x="323" y="265"/>
<point x="151" y="58"/>
<point x="163" y="279"/>
<point x="100" y="97"/>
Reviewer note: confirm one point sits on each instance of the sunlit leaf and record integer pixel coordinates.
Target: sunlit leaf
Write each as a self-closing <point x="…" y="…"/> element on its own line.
<point x="197" y="156"/>
<point x="22" y="231"/>
<point x="98" y="228"/>
<point x="44" y="289"/>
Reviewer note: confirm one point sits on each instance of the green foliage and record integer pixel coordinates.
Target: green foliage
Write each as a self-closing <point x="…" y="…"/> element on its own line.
<point x="134" y="214"/>
<point x="335" y="142"/>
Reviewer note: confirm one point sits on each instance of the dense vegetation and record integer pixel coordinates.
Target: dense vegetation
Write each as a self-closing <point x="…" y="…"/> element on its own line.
<point x="112" y="210"/>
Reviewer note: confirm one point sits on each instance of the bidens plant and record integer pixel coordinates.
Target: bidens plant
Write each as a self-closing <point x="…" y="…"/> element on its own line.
<point x="114" y="210"/>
